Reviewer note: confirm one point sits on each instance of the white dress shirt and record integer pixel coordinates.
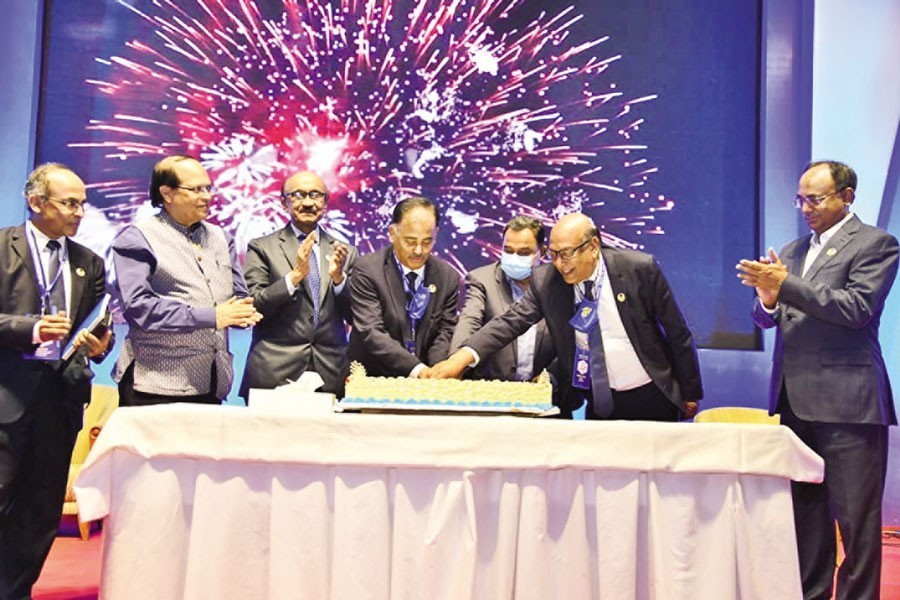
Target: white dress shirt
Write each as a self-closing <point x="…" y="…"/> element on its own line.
<point x="623" y="367"/>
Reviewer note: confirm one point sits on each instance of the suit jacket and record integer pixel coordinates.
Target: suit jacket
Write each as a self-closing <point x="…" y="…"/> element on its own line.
<point x="380" y="323"/>
<point x="827" y="353"/>
<point x="488" y="295"/>
<point x="654" y="324"/>
<point x="20" y="307"/>
<point x="285" y="343"/>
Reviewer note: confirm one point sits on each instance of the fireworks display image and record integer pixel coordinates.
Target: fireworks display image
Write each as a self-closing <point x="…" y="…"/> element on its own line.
<point x="487" y="107"/>
<point x="642" y="115"/>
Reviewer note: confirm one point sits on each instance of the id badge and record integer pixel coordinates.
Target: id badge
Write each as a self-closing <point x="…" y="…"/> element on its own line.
<point x="48" y="351"/>
<point x="585" y="317"/>
<point x="581" y="371"/>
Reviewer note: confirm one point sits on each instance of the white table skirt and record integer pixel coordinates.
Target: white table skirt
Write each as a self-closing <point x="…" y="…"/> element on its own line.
<point x="224" y="502"/>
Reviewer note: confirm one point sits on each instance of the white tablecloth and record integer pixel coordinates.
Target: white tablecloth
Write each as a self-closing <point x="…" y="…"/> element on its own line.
<point x="218" y="503"/>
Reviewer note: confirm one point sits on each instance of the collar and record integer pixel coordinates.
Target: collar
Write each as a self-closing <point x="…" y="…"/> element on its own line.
<point x="40" y="238"/>
<point x="595" y="276"/>
<point x="829" y="233"/>
<point x="187" y="230"/>
<point x="298" y="233"/>
<point x="420" y="272"/>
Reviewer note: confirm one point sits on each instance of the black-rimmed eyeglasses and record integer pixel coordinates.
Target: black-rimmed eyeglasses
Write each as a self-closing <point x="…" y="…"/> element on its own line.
<point x="298" y="195"/>
<point x="567" y="254"/>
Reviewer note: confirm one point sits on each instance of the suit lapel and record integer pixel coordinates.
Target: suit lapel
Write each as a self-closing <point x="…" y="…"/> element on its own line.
<point x="832" y="249"/>
<point x="560" y="301"/>
<point x="623" y="294"/>
<point x="289" y="246"/>
<point x="396" y="292"/>
<point x="795" y="259"/>
<point x="20" y="248"/>
<point x="506" y="300"/>
<point x="78" y="269"/>
<point x="431" y="283"/>
<point x="324" y="256"/>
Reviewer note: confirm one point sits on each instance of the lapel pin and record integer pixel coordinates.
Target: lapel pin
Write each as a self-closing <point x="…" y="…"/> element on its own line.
<point x="432" y="288"/>
<point x="80" y="272"/>
<point x="620" y="297"/>
<point x="831" y="252"/>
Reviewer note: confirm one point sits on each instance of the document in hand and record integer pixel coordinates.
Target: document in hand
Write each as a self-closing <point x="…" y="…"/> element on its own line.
<point x="97" y="322"/>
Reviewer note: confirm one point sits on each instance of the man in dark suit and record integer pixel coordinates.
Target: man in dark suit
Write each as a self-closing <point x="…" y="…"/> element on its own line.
<point x="404" y="299"/>
<point x="492" y="289"/>
<point x="634" y="358"/>
<point x="44" y="278"/>
<point x="300" y="289"/>
<point x="825" y="294"/>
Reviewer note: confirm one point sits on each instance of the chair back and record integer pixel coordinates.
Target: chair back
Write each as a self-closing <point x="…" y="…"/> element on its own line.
<point x="737" y="414"/>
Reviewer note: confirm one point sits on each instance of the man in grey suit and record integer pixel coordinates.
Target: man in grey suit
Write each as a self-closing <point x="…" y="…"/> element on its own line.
<point x="404" y="299"/>
<point x="633" y="359"/>
<point x="492" y="289"/>
<point x="825" y="294"/>
<point x="300" y="289"/>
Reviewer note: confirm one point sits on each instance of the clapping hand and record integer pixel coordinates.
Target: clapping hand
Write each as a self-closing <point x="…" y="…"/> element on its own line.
<point x="336" y="262"/>
<point x="766" y="275"/>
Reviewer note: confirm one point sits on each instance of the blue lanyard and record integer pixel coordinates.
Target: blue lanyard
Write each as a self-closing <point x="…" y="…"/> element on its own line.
<point x="43" y="287"/>
<point x="598" y="285"/>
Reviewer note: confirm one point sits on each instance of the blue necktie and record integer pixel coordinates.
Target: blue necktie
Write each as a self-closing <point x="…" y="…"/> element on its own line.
<point x="411" y="278"/>
<point x="315" y="283"/>
<point x="602" y="397"/>
<point x="58" y="292"/>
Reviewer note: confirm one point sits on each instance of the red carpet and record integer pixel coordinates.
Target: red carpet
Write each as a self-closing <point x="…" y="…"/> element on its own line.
<point x="73" y="570"/>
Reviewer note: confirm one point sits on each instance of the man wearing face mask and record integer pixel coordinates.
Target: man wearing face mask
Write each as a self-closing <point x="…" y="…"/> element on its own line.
<point x="492" y="289"/>
<point x="621" y="340"/>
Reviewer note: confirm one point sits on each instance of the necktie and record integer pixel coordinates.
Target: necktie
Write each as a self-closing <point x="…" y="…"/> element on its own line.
<point x="410" y="286"/>
<point x="58" y="291"/>
<point x="315" y="283"/>
<point x="602" y="397"/>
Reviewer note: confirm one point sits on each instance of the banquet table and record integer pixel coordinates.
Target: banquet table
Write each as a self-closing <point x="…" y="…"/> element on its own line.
<point x="209" y="502"/>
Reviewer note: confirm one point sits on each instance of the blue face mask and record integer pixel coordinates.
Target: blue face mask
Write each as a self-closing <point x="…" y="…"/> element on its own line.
<point x="516" y="267"/>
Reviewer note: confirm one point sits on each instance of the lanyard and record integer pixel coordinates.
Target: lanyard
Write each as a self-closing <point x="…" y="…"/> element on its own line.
<point x="43" y="287"/>
<point x="598" y="285"/>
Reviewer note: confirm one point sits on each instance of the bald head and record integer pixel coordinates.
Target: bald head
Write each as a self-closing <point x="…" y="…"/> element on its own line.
<point x="305" y="197"/>
<point x="575" y="247"/>
<point x="575" y="226"/>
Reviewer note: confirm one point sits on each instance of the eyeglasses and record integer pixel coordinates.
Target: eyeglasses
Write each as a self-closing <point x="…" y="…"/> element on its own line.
<point x="70" y="205"/>
<point x="197" y="189"/>
<point x="799" y="201"/>
<point x="567" y="254"/>
<point x="298" y="195"/>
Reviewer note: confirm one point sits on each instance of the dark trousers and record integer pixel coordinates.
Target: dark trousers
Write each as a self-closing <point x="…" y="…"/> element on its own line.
<point x="646" y="403"/>
<point x="855" y="464"/>
<point x="35" y="452"/>
<point x="128" y="396"/>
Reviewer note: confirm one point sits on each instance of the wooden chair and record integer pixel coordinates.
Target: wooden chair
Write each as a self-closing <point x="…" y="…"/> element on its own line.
<point x="104" y="400"/>
<point x="736" y="414"/>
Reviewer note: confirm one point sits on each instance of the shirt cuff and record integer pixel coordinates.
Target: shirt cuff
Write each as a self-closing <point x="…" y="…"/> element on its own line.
<point x="340" y="286"/>
<point x="291" y="288"/>
<point x="35" y="336"/>
<point x="771" y="311"/>
<point x="416" y="370"/>
<point x="205" y="316"/>
<point x="474" y="356"/>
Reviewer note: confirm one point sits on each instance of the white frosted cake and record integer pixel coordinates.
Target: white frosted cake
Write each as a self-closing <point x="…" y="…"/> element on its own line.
<point x="407" y="394"/>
